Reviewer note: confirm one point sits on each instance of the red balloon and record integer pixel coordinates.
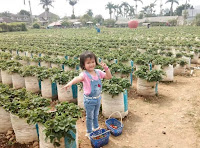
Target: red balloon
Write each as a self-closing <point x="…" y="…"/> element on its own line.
<point x="133" y="24"/>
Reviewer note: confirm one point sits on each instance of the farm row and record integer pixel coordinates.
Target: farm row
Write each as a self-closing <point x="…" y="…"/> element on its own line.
<point x="43" y="61"/>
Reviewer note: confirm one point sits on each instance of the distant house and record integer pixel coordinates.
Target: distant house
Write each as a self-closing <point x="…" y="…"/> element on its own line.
<point x="57" y="24"/>
<point x="20" y="18"/>
<point x="122" y="22"/>
<point x="46" y="17"/>
<point x="5" y="20"/>
<point x="160" y="19"/>
<point x="164" y="19"/>
<point x="15" y="18"/>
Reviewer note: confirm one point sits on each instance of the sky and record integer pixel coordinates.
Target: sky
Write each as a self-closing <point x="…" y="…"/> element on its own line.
<point x="62" y="7"/>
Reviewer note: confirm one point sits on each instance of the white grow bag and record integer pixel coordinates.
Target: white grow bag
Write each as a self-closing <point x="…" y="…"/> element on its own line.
<point x="18" y="81"/>
<point x="65" y="95"/>
<point x="48" y="89"/>
<point x="169" y="73"/>
<point x="112" y="104"/>
<point x="178" y="70"/>
<point x="6" y="77"/>
<point x="24" y="132"/>
<point x="145" y="88"/>
<point x="5" y="123"/>
<point x="64" y="143"/>
<point x="32" y="84"/>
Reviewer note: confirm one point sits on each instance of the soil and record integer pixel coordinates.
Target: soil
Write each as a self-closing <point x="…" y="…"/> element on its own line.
<point x="5" y="143"/>
<point x="169" y="120"/>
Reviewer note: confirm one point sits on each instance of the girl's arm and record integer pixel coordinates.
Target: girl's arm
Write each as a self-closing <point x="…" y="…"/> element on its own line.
<point x="108" y="74"/>
<point x="107" y="70"/>
<point x="74" y="81"/>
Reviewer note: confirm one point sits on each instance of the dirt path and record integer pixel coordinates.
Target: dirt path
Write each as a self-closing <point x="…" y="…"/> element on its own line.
<point x="167" y="121"/>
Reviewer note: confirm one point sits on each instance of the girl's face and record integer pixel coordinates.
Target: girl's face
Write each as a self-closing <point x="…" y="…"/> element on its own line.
<point x="90" y="64"/>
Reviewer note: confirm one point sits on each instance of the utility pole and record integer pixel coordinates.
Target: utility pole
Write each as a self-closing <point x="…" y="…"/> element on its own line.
<point x="31" y="17"/>
<point x="161" y="7"/>
<point x="31" y="12"/>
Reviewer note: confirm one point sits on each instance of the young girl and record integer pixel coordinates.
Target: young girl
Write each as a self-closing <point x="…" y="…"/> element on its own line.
<point x="92" y="87"/>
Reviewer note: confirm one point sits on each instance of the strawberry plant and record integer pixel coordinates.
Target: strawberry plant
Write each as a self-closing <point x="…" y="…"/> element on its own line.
<point x="149" y="75"/>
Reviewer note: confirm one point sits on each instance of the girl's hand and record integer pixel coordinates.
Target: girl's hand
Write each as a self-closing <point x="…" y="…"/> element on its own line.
<point x="67" y="86"/>
<point x="103" y="65"/>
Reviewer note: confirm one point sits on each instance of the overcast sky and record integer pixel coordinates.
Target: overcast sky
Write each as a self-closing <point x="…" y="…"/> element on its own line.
<point x="62" y="7"/>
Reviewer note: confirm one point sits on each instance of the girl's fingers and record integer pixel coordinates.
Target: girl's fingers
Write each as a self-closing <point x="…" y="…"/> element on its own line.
<point x="65" y="87"/>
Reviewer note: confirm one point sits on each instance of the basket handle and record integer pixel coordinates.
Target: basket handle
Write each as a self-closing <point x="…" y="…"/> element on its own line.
<point x="100" y="134"/>
<point x="119" y="114"/>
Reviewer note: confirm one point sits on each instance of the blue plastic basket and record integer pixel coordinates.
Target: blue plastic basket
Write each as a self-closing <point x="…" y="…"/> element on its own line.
<point x="115" y="122"/>
<point x="97" y="143"/>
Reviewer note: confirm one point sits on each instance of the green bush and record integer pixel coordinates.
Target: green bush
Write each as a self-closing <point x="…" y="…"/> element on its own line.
<point x="197" y="20"/>
<point x="13" y="27"/>
<point x="36" y="26"/>
<point x="67" y="24"/>
<point x="173" y="22"/>
<point x="158" y="24"/>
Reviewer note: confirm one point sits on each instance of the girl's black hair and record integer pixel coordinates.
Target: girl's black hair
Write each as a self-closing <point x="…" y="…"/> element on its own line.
<point x="84" y="56"/>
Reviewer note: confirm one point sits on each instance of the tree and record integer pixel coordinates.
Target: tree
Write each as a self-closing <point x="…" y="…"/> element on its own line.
<point x="125" y="7"/>
<point x="166" y="12"/>
<point x="137" y="5"/>
<point x="141" y="15"/>
<point x="131" y="12"/>
<point x="45" y="4"/>
<point x="179" y="9"/>
<point x="24" y="12"/>
<point x="172" y="3"/>
<point x="110" y="6"/>
<point x="99" y="19"/>
<point x="151" y="8"/>
<point x="66" y="23"/>
<point x="117" y="11"/>
<point x="5" y="14"/>
<point x="89" y="12"/>
<point x="73" y="3"/>
<point x="85" y="18"/>
<point x="145" y="10"/>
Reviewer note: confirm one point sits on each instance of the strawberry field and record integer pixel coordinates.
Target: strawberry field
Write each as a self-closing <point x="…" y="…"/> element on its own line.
<point x="36" y="64"/>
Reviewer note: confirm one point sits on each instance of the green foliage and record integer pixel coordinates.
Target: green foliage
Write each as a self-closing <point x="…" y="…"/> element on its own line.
<point x="85" y="18"/>
<point x="46" y="73"/>
<point x="173" y="22"/>
<point x="180" y="8"/>
<point x="36" y="26"/>
<point x="71" y="62"/>
<point x="182" y="62"/>
<point x="197" y="20"/>
<point x="24" y="12"/>
<point x="29" y="71"/>
<point x="115" y="86"/>
<point x="99" y="19"/>
<point x="149" y="75"/>
<point x="64" y="77"/>
<point x="13" y="27"/>
<point x="35" y="109"/>
<point x="179" y="55"/>
<point x="5" y="65"/>
<point x="66" y="24"/>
